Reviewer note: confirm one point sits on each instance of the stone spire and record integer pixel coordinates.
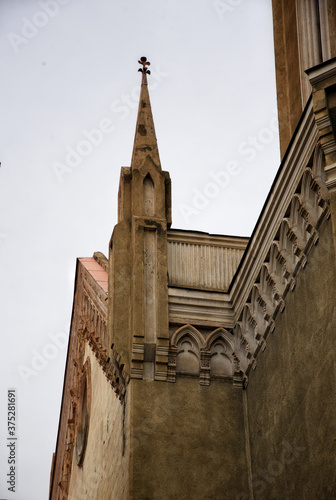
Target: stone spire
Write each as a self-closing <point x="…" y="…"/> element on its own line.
<point x="138" y="285"/>
<point x="145" y="143"/>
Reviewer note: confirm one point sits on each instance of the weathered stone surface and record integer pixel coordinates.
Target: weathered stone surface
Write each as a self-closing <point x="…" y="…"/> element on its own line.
<point x="292" y="393"/>
<point x="187" y="441"/>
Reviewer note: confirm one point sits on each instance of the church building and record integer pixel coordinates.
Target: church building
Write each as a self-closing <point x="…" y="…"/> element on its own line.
<point x="203" y="367"/>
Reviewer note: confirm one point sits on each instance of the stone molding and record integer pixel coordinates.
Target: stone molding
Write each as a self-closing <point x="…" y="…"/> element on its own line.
<point x="112" y="367"/>
<point x="322" y="73"/>
<point x="93" y="330"/>
<point x="200" y="307"/>
<point x="199" y="238"/>
<point x="287" y="180"/>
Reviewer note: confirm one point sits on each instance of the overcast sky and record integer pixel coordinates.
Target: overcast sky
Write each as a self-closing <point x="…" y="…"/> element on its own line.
<point x="69" y="93"/>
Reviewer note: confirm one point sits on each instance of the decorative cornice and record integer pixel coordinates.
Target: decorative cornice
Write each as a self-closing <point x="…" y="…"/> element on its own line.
<point x="199" y="238"/>
<point x="285" y="257"/>
<point x="112" y="367"/>
<point x="274" y="210"/>
<point x="200" y="307"/>
<point x="322" y="72"/>
<point x="89" y="325"/>
<point x="330" y="171"/>
<point x="93" y="330"/>
<point x="323" y="80"/>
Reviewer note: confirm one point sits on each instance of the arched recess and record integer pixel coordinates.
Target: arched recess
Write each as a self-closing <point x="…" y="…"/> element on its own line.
<point x="242" y="348"/>
<point x="248" y="326"/>
<point x="266" y="290"/>
<point x="298" y="219"/>
<point x="188" y="343"/>
<point x="148" y="196"/>
<point x="276" y="268"/>
<point x="310" y="199"/>
<point x="220" y="347"/>
<point x="258" y="310"/>
<point x="287" y="249"/>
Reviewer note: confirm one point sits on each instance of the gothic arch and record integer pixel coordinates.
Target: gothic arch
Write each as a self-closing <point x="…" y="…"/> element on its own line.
<point x="187" y="330"/>
<point x="220" y="347"/>
<point x="187" y="342"/>
<point x="148" y="196"/>
<point x="220" y="333"/>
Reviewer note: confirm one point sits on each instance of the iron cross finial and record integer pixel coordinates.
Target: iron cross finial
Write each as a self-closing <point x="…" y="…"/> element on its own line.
<point x="144" y="70"/>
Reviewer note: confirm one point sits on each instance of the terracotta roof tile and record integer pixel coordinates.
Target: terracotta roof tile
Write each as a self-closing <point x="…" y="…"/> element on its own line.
<point x="97" y="272"/>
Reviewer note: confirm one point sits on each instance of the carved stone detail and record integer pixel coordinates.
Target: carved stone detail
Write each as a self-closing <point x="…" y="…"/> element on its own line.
<point x="191" y="354"/>
<point x="288" y="255"/>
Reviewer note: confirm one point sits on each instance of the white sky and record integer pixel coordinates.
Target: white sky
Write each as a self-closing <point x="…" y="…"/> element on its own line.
<point x="213" y="98"/>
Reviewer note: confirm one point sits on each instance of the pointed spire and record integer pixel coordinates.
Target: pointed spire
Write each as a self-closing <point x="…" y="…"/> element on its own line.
<point x="145" y="139"/>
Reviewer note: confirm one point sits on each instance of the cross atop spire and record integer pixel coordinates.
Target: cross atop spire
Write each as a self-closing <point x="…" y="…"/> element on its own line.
<point x="145" y="139"/>
<point x="144" y="70"/>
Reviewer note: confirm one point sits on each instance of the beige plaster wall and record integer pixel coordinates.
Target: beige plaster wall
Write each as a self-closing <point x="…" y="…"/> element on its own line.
<point x="104" y="473"/>
<point x="188" y="441"/>
<point x="292" y="394"/>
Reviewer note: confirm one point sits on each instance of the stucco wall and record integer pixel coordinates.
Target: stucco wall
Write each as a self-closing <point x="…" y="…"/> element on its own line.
<point x="188" y="441"/>
<point x="104" y="473"/>
<point x="292" y="394"/>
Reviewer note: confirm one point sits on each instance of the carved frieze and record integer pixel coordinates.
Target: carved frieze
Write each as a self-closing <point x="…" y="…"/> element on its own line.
<point x="288" y="255"/>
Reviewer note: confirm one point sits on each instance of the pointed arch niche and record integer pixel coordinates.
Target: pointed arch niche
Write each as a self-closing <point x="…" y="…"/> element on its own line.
<point x="220" y="350"/>
<point x="148" y="196"/>
<point x="191" y="354"/>
<point x="185" y="352"/>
